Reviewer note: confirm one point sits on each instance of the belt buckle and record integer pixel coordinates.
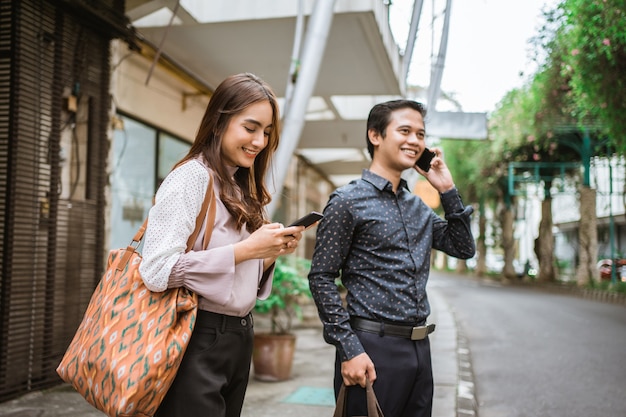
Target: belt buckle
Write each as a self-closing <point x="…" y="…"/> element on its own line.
<point x="419" y="332"/>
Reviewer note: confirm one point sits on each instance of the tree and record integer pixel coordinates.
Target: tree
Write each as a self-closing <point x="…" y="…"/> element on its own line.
<point x="594" y="38"/>
<point x="527" y="129"/>
<point x="573" y="108"/>
<point x="468" y="181"/>
<point x="583" y="88"/>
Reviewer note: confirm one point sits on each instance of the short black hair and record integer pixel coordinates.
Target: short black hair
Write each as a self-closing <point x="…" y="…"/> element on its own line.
<point x="380" y="117"/>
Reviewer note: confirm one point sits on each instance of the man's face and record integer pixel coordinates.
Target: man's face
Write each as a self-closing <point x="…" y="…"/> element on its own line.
<point x="404" y="140"/>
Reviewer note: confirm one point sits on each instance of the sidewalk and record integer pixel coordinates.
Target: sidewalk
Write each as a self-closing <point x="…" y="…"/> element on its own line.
<point x="309" y="391"/>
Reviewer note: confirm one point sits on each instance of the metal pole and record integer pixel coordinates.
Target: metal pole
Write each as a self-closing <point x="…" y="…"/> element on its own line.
<point x="614" y="259"/>
<point x="314" y="45"/>
<point x="295" y="58"/>
<point x="436" y="73"/>
<point x="410" y="42"/>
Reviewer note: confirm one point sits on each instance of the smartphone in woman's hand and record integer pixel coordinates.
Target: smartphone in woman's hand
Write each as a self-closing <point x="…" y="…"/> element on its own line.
<point x="308" y="220"/>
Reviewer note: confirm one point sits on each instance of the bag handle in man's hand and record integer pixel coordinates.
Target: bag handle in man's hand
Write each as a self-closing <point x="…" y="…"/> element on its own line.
<point x="373" y="408"/>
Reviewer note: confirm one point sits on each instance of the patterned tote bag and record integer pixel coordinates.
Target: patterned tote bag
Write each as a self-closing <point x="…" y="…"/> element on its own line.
<point x="127" y="349"/>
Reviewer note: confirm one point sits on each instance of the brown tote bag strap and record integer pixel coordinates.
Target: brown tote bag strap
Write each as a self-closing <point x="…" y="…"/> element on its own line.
<point x="207" y="204"/>
<point x="373" y="408"/>
<point x="340" y="407"/>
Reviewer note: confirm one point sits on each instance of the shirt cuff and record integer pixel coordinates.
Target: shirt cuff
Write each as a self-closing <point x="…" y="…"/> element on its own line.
<point x="453" y="205"/>
<point x="351" y="347"/>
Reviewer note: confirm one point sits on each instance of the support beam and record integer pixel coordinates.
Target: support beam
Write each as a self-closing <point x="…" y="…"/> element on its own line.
<point x="410" y="42"/>
<point x="294" y="67"/>
<point x="436" y="73"/>
<point x="314" y="46"/>
<point x="456" y="125"/>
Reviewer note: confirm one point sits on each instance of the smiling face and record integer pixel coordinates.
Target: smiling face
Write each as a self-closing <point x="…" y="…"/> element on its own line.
<point x="247" y="134"/>
<point x="403" y="142"/>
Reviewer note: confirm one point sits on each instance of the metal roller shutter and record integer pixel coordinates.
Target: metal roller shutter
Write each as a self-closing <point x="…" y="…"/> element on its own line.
<point x="51" y="240"/>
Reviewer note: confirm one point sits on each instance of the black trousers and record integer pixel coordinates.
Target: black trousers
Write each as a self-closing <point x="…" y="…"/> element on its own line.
<point x="404" y="377"/>
<point x="213" y="376"/>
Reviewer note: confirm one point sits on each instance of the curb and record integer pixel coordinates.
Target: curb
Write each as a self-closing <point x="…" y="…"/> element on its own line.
<point x="456" y="377"/>
<point x="466" y="403"/>
<point x="602" y="296"/>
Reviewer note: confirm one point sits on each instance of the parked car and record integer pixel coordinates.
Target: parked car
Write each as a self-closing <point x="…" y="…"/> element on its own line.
<point x="605" y="267"/>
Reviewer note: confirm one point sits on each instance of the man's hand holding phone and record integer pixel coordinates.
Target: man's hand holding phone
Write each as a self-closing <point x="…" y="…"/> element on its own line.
<point x="439" y="177"/>
<point x="425" y="159"/>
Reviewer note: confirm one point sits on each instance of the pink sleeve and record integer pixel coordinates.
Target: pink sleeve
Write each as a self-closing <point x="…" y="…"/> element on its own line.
<point x="209" y="273"/>
<point x="212" y="273"/>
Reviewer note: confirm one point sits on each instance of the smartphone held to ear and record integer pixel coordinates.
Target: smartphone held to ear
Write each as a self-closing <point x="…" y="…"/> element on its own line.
<point x="308" y="220"/>
<point x="424" y="160"/>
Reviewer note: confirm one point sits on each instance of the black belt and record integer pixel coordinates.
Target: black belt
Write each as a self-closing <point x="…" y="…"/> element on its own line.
<point x="408" y="332"/>
<point x="211" y="319"/>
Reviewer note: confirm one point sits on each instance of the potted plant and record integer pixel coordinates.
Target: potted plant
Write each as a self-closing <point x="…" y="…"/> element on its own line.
<point x="274" y="350"/>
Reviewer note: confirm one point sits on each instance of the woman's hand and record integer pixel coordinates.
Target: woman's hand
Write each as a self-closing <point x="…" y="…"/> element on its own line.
<point x="269" y="242"/>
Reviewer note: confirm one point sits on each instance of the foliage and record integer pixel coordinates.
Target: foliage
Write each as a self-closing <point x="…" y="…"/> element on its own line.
<point x="467" y="171"/>
<point x="289" y="288"/>
<point x="570" y="93"/>
<point x="618" y="287"/>
<point x="579" y="85"/>
<point x="594" y="43"/>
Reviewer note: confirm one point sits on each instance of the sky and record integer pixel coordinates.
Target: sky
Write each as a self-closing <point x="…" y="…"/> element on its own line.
<point x="488" y="46"/>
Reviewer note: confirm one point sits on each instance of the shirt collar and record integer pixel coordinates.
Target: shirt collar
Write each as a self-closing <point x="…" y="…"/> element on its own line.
<point x="380" y="182"/>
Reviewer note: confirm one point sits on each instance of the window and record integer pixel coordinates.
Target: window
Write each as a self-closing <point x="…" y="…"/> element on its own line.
<point x="141" y="157"/>
<point x="171" y="150"/>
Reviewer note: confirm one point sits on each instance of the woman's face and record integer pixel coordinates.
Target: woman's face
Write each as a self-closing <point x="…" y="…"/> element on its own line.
<point x="247" y="134"/>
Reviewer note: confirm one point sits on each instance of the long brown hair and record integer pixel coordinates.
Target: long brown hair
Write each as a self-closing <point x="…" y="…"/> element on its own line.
<point x="244" y="195"/>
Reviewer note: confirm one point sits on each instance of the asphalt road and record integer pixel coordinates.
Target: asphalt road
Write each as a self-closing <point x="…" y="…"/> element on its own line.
<point x="539" y="354"/>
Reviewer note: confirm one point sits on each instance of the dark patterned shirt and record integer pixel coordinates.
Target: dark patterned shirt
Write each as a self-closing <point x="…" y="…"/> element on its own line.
<point x="379" y="243"/>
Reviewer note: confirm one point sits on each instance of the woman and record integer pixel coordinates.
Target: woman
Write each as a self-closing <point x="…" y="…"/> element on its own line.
<point x="235" y="142"/>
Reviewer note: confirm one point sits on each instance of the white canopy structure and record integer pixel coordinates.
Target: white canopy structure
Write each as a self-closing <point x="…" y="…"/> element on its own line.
<point x="340" y="53"/>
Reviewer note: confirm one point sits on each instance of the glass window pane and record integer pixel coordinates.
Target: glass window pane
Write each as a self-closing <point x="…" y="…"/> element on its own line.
<point x="171" y="150"/>
<point x="132" y="180"/>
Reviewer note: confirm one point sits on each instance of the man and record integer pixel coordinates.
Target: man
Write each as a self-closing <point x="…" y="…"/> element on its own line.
<point x="377" y="236"/>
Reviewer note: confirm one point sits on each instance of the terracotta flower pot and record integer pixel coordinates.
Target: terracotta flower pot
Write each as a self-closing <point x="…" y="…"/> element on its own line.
<point x="272" y="356"/>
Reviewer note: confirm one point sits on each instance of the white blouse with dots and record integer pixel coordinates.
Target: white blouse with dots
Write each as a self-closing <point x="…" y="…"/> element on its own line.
<point x="222" y="286"/>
